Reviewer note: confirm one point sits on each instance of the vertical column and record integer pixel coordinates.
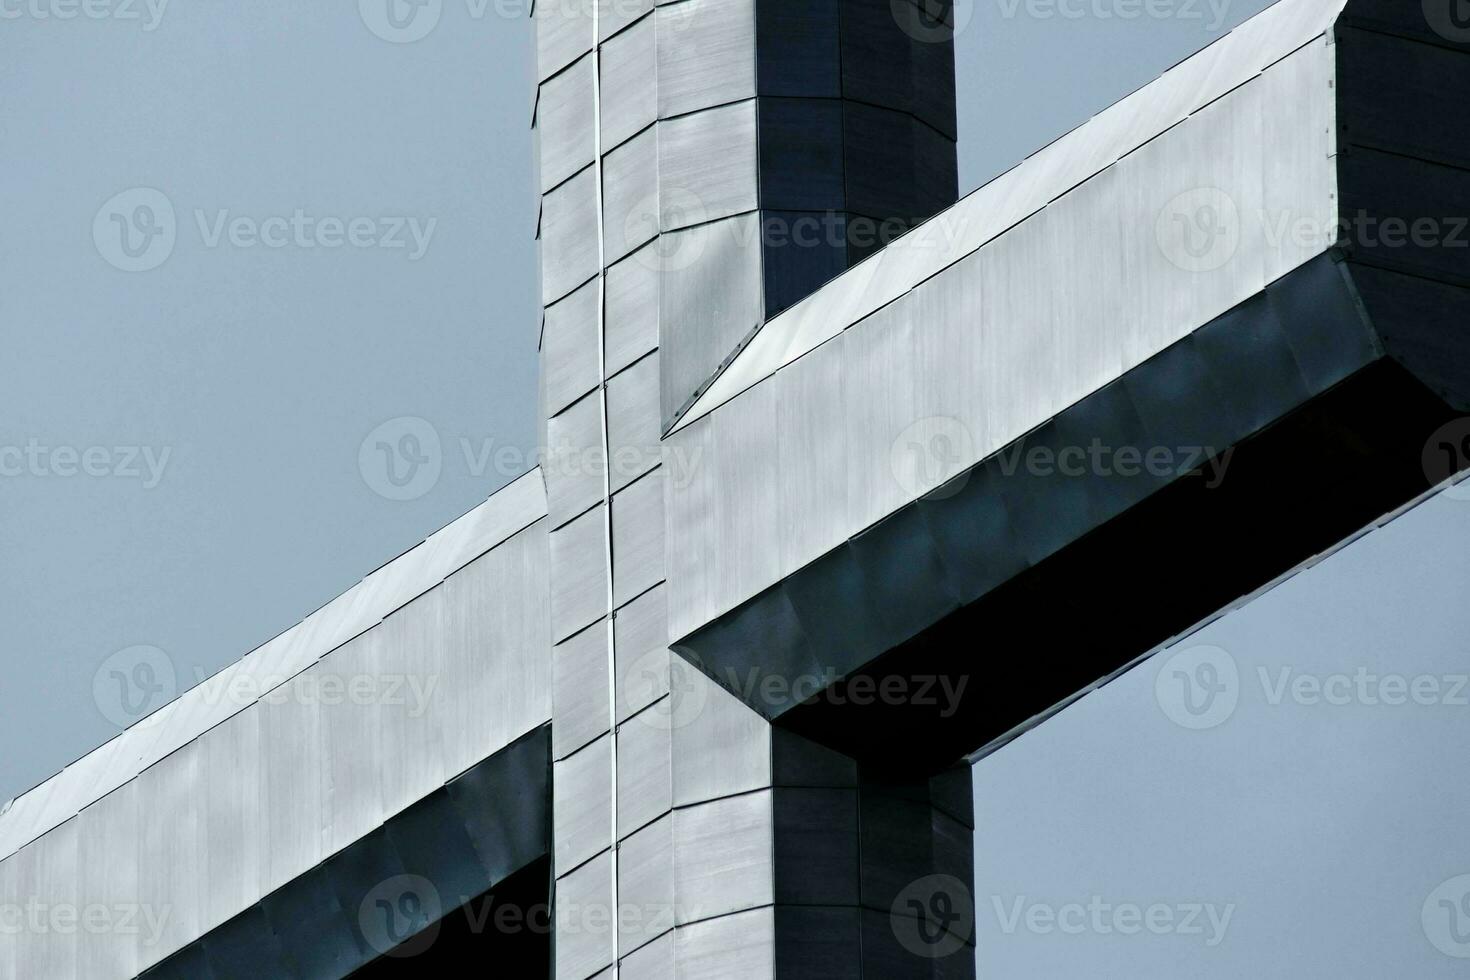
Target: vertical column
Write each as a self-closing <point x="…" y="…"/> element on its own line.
<point x="695" y="159"/>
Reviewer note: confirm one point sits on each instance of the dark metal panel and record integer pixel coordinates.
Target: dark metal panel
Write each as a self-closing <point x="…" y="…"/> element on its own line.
<point x="505" y="804"/>
<point x="311" y="927"/>
<point x="801" y="155"/>
<point x="798" y="50"/>
<point x="816" y="846"/>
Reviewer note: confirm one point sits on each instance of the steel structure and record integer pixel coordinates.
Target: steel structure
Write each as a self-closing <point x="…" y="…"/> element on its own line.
<point x="780" y="479"/>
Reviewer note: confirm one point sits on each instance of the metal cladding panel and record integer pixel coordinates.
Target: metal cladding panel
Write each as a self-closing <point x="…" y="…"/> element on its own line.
<point x="642" y="631"/>
<point x="708" y="157"/>
<point x="911" y="415"/>
<point x="564" y="123"/>
<point x="733" y="947"/>
<point x="798" y="49"/>
<point x="646" y="885"/>
<point x="585" y="920"/>
<point x="234" y="815"/>
<point x="11" y="897"/>
<point x="107" y="848"/>
<point x="580" y="681"/>
<point x="688" y="508"/>
<point x="1232" y="61"/>
<point x="47" y="947"/>
<point x="744" y="469"/>
<point x="630" y="202"/>
<point x="563" y="34"/>
<point x="710" y="297"/>
<point x="409" y="703"/>
<point x="652" y="962"/>
<point x="629" y="82"/>
<point x="634" y="436"/>
<point x="496" y="632"/>
<point x="645" y="774"/>
<point x="720" y="747"/>
<point x="568" y="236"/>
<point x="173" y="863"/>
<point x="290" y="735"/>
<point x="614" y="15"/>
<point x="574" y="460"/>
<point x="583" y="814"/>
<point x="638" y="537"/>
<point x="812" y="442"/>
<point x="632" y="308"/>
<point x="879" y="399"/>
<point x="706" y="55"/>
<point x="569" y="349"/>
<point x="722" y="857"/>
<point x="579" y="590"/>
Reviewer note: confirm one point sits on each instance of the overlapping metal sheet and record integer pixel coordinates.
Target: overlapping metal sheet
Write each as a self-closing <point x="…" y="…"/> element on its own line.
<point x="1234" y="60"/>
<point x="997" y="343"/>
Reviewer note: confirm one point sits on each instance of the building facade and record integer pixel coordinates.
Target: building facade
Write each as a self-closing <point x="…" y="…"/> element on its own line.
<point x="825" y="448"/>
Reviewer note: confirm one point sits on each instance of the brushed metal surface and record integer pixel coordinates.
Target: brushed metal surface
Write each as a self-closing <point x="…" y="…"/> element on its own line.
<point x="711" y="157"/>
<point x="720" y="746"/>
<point x="638" y="537"/>
<point x="654" y="961"/>
<point x="710" y="296"/>
<point x="568" y="236"/>
<point x="722" y="857"/>
<point x="574" y="460"/>
<point x="641" y="629"/>
<point x="646" y="885"/>
<point x="585" y="922"/>
<point x="582" y="822"/>
<point x="564" y="123"/>
<point x="630" y="195"/>
<point x="563" y="34"/>
<point x="734" y="946"/>
<point x="634" y="435"/>
<point x="629" y="81"/>
<point x="579" y="671"/>
<point x="579" y="589"/>
<point x="706" y="55"/>
<point x="632" y="308"/>
<point x="645" y="774"/>
<point x="569" y="349"/>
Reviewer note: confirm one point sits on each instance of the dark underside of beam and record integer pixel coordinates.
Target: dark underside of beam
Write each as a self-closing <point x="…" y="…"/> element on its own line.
<point x="1288" y="494"/>
<point x="967" y="613"/>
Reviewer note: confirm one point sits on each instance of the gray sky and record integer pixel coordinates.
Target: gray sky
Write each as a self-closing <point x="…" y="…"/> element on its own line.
<point x="184" y="441"/>
<point x="1322" y="816"/>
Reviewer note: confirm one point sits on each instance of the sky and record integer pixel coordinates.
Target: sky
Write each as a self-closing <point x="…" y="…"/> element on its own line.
<point x="188" y="420"/>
